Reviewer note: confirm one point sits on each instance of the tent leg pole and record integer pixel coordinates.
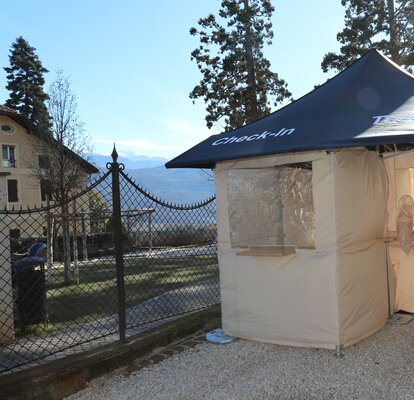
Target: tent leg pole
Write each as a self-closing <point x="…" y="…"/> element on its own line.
<point x="388" y="280"/>
<point x="339" y="351"/>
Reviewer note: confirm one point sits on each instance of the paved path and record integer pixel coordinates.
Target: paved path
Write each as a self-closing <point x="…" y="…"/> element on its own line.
<point x="147" y="315"/>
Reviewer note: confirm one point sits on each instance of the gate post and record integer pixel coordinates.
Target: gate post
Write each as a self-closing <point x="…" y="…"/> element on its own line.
<point x="115" y="167"/>
<point x="6" y="289"/>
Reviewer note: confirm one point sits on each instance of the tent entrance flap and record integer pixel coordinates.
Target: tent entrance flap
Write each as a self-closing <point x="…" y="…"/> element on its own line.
<point x="400" y="170"/>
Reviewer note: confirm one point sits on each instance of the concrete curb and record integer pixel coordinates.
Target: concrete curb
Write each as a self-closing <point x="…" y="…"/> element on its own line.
<point x="66" y="376"/>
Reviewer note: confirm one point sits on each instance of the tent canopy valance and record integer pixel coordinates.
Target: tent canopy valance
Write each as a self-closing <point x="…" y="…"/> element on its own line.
<point x="368" y="104"/>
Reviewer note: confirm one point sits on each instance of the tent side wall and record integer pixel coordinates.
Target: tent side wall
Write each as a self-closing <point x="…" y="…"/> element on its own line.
<point x="361" y="195"/>
<point x="400" y="170"/>
<point x="285" y="300"/>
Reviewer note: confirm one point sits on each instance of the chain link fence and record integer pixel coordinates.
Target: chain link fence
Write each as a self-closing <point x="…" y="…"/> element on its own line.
<point x="104" y="265"/>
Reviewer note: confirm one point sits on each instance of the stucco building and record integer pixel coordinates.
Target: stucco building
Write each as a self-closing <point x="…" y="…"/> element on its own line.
<point x="24" y="153"/>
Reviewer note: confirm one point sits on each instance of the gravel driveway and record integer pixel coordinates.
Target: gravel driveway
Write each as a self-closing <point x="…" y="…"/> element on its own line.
<point x="380" y="367"/>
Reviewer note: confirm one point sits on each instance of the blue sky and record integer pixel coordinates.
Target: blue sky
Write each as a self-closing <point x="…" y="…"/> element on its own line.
<point x="129" y="62"/>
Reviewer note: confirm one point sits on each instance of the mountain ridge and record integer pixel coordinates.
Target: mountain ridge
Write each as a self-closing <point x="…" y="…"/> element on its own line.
<point x="130" y="162"/>
<point x="179" y="186"/>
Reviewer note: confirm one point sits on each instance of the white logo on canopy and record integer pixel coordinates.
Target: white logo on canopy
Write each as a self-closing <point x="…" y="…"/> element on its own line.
<point x="256" y="136"/>
<point x="393" y="119"/>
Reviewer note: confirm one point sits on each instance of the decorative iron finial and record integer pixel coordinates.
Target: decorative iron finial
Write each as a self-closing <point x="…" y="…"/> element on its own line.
<point x="114" y="155"/>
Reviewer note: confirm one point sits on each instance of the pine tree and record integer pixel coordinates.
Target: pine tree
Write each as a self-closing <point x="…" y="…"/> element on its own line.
<point x="238" y="86"/>
<point x="25" y="83"/>
<point x="387" y="25"/>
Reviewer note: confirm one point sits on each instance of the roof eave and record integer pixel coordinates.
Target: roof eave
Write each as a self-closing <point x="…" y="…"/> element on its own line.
<point x="32" y="129"/>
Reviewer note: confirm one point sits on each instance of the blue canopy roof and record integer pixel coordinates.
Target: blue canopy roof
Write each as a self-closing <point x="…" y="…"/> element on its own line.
<point x="370" y="103"/>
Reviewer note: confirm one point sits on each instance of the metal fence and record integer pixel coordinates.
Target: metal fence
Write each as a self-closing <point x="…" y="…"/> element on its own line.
<point x="110" y="262"/>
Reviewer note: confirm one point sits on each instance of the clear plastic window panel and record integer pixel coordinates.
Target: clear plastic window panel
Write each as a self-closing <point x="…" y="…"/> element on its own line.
<point x="271" y="206"/>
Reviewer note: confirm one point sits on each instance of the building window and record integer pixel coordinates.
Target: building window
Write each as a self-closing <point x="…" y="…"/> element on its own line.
<point x="12" y="193"/>
<point x="6" y="128"/>
<point x="44" y="162"/>
<point x="9" y="156"/>
<point x="45" y="190"/>
<point x="14" y="233"/>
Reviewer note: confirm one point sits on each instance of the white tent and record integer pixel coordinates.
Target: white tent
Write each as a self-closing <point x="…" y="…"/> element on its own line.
<point x="302" y="248"/>
<point x="330" y="294"/>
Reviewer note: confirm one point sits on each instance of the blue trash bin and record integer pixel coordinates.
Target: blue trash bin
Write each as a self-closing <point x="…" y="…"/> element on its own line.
<point x="29" y="273"/>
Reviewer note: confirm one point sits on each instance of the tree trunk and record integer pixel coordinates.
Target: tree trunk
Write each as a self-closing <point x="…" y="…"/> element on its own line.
<point x="394" y="43"/>
<point x="75" y="242"/>
<point x="49" y="233"/>
<point x="66" y="244"/>
<point x="84" y="239"/>
<point x="252" y="111"/>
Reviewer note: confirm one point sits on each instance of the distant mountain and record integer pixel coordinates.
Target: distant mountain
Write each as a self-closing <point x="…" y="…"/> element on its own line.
<point x="130" y="161"/>
<point x="182" y="186"/>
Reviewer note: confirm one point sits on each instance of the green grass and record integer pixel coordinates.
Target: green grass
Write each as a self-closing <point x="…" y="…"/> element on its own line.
<point x="96" y="294"/>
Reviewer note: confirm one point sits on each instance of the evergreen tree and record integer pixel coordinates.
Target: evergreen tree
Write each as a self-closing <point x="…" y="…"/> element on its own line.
<point x="387" y="25"/>
<point x="238" y="85"/>
<point x="25" y="83"/>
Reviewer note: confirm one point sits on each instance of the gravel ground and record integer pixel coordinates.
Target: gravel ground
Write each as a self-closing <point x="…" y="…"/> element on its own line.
<point x="380" y="367"/>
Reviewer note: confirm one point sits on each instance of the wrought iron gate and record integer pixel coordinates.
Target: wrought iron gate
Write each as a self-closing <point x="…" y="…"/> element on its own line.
<point x="118" y="260"/>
